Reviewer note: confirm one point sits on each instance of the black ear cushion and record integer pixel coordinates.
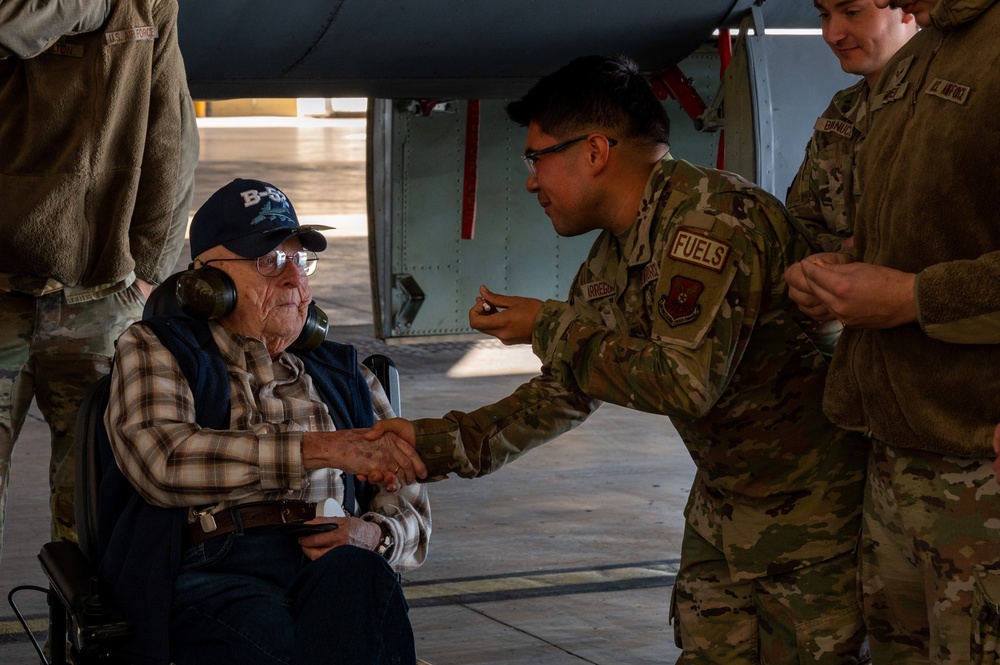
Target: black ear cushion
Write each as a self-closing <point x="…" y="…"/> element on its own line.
<point x="206" y="293"/>
<point x="209" y="293"/>
<point x="314" y="331"/>
<point x="163" y="300"/>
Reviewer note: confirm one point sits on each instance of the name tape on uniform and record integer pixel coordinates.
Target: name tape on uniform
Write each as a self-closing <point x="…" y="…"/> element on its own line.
<point x="595" y="290"/>
<point x="893" y="94"/>
<point x="650" y="273"/>
<point x="834" y="126"/>
<point x="140" y="34"/>
<point x="65" y="48"/>
<point x="953" y="92"/>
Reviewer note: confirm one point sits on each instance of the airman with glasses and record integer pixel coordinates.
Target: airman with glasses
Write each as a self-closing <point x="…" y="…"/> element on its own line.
<point x="680" y="310"/>
<point x="530" y="158"/>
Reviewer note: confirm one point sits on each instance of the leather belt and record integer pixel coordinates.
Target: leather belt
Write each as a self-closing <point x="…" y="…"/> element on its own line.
<point x="251" y="515"/>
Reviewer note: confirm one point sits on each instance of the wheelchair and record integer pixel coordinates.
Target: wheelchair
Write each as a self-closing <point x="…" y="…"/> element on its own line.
<point x="80" y="605"/>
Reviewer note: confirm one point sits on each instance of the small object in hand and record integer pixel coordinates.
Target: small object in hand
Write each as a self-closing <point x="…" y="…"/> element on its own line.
<point x="299" y="530"/>
<point x="330" y="508"/>
<point x="487" y="307"/>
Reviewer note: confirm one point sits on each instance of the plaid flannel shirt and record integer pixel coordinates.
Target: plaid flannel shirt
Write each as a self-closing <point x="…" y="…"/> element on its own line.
<point x="173" y="462"/>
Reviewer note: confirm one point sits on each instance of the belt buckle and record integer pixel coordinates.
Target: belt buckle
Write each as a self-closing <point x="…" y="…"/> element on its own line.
<point x="286" y="510"/>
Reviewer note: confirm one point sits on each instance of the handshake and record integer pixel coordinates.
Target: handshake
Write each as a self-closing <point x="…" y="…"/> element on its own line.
<point x="383" y="454"/>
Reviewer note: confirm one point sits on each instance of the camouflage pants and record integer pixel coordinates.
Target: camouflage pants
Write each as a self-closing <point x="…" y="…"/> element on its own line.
<point x="930" y="558"/>
<point x="810" y="615"/>
<point x="54" y="351"/>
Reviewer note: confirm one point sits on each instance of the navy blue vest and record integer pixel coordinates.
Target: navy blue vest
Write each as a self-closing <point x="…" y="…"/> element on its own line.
<point x="141" y="544"/>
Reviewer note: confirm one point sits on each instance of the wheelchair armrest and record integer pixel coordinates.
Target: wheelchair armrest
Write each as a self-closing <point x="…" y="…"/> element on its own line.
<point x="385" y="371"/>
<point x="94" y="621"/>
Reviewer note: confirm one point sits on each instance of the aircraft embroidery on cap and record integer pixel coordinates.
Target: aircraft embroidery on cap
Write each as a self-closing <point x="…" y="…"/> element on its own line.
<point x="269" y="213"/>
<point x="681" y="305"/>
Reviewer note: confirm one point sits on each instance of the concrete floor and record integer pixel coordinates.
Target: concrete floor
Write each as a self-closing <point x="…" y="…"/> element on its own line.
<point x="566" y="556"/>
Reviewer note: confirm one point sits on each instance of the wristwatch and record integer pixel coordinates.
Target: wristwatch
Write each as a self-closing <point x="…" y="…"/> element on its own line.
<point x="386" y="542"/>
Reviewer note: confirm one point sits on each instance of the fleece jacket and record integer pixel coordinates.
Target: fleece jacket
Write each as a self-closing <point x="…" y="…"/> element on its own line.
<point x="929" y="207"/>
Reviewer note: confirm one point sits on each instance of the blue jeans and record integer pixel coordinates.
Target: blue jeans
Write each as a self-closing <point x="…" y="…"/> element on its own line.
<point x="253" y="597"/>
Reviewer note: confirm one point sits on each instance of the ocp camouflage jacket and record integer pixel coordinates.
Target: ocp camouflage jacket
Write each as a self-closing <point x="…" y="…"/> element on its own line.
<point x="686" y="314"/>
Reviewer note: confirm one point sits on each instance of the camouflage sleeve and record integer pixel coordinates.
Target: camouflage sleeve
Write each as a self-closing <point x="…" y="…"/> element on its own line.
<point x="480" y="442"/>
<point x="170" y="154"/>
<point x="805" y="197"/>
<point x="700" y="317"/>
<point x="823" y="195"/>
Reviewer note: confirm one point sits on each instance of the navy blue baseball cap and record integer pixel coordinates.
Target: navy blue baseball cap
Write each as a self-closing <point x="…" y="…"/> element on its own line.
<point x="250" y="218"/>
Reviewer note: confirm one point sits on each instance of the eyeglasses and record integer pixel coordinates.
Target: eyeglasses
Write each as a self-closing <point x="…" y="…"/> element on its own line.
<point x="272" y="264"/>
<point x="529" y="158"/>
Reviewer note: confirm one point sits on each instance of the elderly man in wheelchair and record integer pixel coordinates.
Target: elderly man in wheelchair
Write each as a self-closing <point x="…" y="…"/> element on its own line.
<point x="236" y="531"/>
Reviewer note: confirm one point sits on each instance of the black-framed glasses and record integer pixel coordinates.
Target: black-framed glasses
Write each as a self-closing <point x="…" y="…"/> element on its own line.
<point x="272" y="264"/>
<point x="529" y="158"/>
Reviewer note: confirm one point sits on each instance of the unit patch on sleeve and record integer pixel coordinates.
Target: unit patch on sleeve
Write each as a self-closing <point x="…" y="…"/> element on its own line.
<point x="681" y="304"/>
<point x="699" y="250"/>
<point x="696" y="271"/>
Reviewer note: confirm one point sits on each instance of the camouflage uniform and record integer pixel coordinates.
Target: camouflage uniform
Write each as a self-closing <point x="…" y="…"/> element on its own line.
<point x="54" y="349"/>
<point x="928" y="391"/>
<point x="99" y="151"/>
<point x="924" y="538"/>
<point x="824" y="193"/>
<point x="686" y="314"/>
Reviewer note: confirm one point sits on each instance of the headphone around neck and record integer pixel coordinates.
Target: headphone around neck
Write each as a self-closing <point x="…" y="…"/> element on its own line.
<point x="208" y="293"/>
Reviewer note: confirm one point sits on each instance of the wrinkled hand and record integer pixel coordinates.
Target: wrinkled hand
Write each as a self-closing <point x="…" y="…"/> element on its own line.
<point x="387" y="455"/>
<point x="400" y="427"/>
<point x="349" y="531"/>
<point x="800" y="290"/>
<point x="863" y="295"/>
<point x="508" y="318"/>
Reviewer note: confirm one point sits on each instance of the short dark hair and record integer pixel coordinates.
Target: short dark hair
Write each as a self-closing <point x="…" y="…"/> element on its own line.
<point x="595" y="92"/>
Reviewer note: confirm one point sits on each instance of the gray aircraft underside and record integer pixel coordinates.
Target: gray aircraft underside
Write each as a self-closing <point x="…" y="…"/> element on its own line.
<point x="438" y="72"/>
<point x="437" y="48"/>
